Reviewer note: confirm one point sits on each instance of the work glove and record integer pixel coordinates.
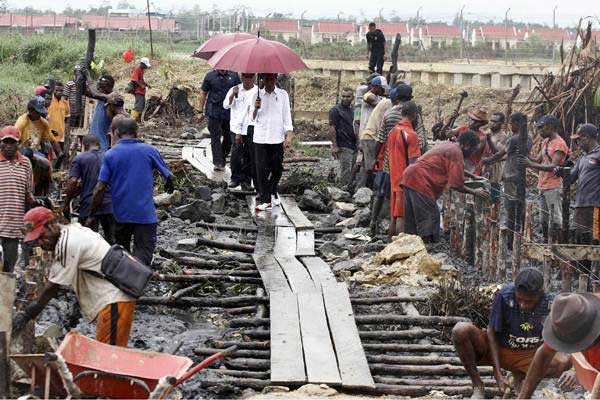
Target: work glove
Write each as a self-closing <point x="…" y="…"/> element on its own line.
<point x="19" y="321"/>
<point x="169" y="185"/>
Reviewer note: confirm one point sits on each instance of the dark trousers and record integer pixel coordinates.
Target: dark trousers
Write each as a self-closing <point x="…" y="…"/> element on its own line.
<point x="107" y="221"/>
<point x="10" y="253"/>
<point x="220" y="140"/>
<point x="144" y="240"/>
<point x="376" y="62"/>
<point x="269" y="167"/>
<point x="243" y="170"/>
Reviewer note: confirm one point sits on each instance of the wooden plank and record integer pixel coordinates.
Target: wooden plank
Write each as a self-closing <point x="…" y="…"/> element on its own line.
<point x="7" y="299"/>
<point x="319" y="270"/>
<point x="353" y="365"/>
<point x="319" y="356"/>
<point x="297" y="275"/>
<point x="201" y="159"/>
<point x="568" y="252"/>
<point x="265" y="239"/>
<point x="287" y="360"/>
<point x="285" y="241"/>
<point x="271" y="273"/>
<point x="305" y="242"/>
<point x="294" y="213"/>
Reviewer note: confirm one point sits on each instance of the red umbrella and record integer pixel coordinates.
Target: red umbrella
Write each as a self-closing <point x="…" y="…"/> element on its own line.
<point x="257" y="55"/>
<point x="216" y="43"/>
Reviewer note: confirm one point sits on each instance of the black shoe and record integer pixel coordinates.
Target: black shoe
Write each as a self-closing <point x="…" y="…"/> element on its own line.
<point x="233" y="185"/>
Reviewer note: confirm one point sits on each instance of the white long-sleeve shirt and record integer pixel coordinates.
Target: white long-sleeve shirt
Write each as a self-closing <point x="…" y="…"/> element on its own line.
<point x="274" y="118"/>
<point x="239" y="121"/>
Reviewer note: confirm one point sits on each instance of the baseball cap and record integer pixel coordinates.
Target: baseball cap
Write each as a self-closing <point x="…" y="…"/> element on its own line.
<point x="379" y="81"/>
<point x="530" y="281"/>
<point x="145" y="61"/>
<point x="40" y="90"/>
<point x="401" y="92"/>
<point x="34" y="221"/>
<point x="372" y="76"/>
<point x="37" y="103"/>
<point x="587" y="130"/>
<point x="10" y="132"/>
<point x="547" y="120"/>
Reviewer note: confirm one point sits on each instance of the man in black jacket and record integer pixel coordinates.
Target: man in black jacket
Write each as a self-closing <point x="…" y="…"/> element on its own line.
<point x="376" y="44"/>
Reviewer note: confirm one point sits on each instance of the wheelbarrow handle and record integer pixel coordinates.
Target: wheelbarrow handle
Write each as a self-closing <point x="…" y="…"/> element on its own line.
<point x="205" y="364"/>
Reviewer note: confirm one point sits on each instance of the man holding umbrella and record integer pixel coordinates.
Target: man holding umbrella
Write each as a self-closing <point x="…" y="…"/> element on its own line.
<point x="272" y="131"/>
<point x="215" y="86"/>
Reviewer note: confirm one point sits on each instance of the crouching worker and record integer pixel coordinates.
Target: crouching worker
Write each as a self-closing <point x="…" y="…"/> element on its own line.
<point x="513" y="334"/>
<point x="78" y="254"/>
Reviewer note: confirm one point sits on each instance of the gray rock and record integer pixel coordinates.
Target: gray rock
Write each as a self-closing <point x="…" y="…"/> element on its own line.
<point x="336" y="248"/>
<point x="337" y="194"/>
<point x="162" y="215"/>
<point x="187" y="244"/>
<point x="364" y="217"/>
<point x="332" y="218"/>
<point x="203" y="193"/>
<point x="197" y="211"/>
<point x="311" y="200"/>
<point x="187" y="135"/>
<point x="233" y="211"/>
<point x="348" y="265"/>
<point x="166" y="199"/>
<point x="362" y="196"/>
<point x="219" y="201"/>
<point x="344" y="209"/>
<point x="348" y="223"/>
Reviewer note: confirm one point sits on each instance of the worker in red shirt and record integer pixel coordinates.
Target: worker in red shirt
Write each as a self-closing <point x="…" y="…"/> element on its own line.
<point x="403" y="150"/>
<point x="139" y="88"/>
<point x="573" y="326"/>
<point x="424" y="182"/>
<point x="478" y="118"/>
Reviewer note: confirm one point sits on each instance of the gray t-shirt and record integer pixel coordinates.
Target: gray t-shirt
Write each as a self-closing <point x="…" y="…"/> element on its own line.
<point x="511" y="167"/>
<point x="587" y="174"/>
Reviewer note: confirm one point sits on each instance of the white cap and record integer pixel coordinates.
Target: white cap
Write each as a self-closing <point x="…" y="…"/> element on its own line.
<point x="145" y="61"/>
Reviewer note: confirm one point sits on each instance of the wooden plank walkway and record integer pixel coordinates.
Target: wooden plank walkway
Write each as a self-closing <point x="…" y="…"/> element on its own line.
<point x="200" y="157"/>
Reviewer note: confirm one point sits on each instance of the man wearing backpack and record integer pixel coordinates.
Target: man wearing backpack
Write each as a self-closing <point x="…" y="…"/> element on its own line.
<point x="78" y="254"/>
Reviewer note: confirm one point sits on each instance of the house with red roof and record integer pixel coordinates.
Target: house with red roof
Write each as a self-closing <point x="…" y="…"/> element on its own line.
<point x="496" y="36"/>
<point x="334" y="32"/>
<point x="438" y="35"/>
<point x="555" y="35"/>
<point x="274" y="28"/>
<point x="390" y="29"/>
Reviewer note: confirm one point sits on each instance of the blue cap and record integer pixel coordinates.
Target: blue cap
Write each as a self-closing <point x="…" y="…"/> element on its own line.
<point x="379" y="81"/>
<point x="401" y="92"/>
<point x="547" y="120"/>
<point x="38" y="104"/>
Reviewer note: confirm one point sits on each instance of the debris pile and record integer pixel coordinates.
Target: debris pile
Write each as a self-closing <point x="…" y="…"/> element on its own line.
<point x="404" y="261"/>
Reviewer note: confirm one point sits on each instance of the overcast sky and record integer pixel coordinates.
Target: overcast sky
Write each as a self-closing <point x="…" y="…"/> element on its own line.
<point x="540" y="11"/>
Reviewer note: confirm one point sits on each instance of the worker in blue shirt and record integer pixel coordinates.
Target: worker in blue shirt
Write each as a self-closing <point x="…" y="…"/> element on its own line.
<point x="215" y="86"/>
<point x="128" y="170"/>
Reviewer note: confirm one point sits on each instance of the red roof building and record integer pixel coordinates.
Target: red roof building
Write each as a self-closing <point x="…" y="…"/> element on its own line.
<point x="442" y="31"/>
<point x="327" y="32"/>
<point x="549" y="34"/>
<point x="279" y="25"/>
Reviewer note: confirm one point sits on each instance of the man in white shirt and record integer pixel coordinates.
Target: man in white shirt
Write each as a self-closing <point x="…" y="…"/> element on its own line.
<point x="77" y="259"/>
<point x="238" y="100"/>
<point x="272" y="131"/>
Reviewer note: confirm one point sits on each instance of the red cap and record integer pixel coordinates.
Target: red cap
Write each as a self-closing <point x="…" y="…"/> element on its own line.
<point x="39" y="90"/>
<point x="34" y="221"/>
<point x="10" y="132"/>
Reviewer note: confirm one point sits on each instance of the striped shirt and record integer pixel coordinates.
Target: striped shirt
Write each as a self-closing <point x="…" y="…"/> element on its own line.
<point x="70" y="92"/>
<point x="17" y="180"/>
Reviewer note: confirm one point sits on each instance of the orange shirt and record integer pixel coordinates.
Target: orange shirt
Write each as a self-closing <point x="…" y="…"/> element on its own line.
<point x="57" y="112"/>
<point x="442" y="166"/>
<point x="547" y="179"/>
<point x="397" y="151"/>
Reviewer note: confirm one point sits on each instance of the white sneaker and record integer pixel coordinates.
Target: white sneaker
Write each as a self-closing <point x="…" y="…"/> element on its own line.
<point x="275" y="200"/>
<point x="263" y="207"/>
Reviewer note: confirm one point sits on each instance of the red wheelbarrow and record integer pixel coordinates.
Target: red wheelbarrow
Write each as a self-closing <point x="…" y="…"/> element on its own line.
<point x="85" y="366"/>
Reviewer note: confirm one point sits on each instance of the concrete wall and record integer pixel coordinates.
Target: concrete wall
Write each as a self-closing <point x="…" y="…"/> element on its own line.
<point x="497" y="76"/>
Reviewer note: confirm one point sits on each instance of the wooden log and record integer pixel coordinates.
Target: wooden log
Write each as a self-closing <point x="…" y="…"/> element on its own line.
<point x="241" y="258"/>
<point x="493" y="240"/>
<point x="225" y="246"/>
<point x="256" y="384"/>
<point x="251" y="364"/>
<point x="249" y="322"/>
<point x="398" y="335"/>
<point x="408" y="320"/>
<point x="435" y="370"/>
<point x="185" y="302"/>
<point x="243" y="374"/>
<point x="206" y="351"/>
<point x="294" y="160"/>
<point x="186" y="290"/>
<point x="479" y="233"/>
<point x="200" y="263"/>
<point x="257" y="334"/>
<point x="431" y="382"/>
<point x="502" y="255"/>
<point x="467" y="244"/>
<point x="413" y="360"/>
<point x="242" y="310"/>
<point x="206" y="278"/>
<point x="401" y="348"/>
<point x="383" y="300"/>
<point x="419" y="391"/>
<point x="221" y="344"/>
<point x="221" y="227"/>
<point x="4" y="367"/>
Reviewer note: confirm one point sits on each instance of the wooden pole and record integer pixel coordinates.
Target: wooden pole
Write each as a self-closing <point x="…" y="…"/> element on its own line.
<point x="493" y="239"/>
<point x="479" y="233"/>
<point x="547" y="260"/>
<point x="150" y="29"/>
<point x="501" y="265"/>
<point x="521" y="191"/>
<point x="4" y="367"/>
<point x="583" y="282"/>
